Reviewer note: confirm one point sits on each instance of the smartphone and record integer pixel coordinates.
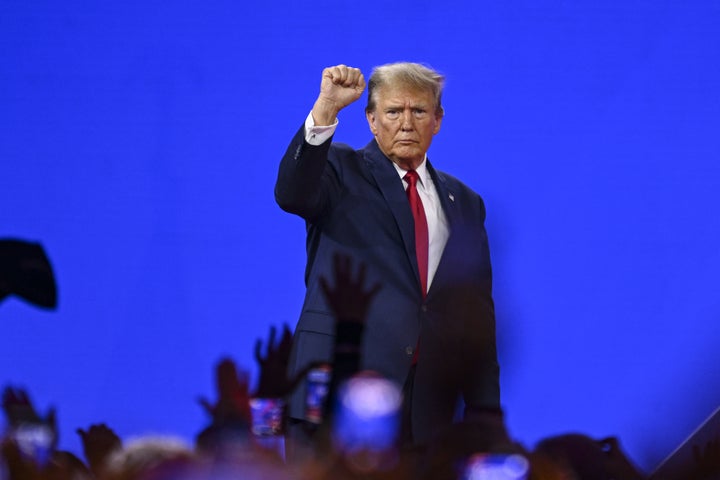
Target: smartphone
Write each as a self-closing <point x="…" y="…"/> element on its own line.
<point x="496" y="466"/>
<point x="367" y="414"/>
<point x="267" y="416"/>
<point x="317" y="388"/>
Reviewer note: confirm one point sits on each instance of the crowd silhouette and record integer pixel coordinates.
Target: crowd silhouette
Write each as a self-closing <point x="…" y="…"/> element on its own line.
<point x="357" y="418"/>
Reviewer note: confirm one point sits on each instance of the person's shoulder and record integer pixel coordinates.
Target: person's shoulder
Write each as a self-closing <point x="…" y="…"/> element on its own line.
<point x="460" y="193"/>
<point x="454" y="183"/>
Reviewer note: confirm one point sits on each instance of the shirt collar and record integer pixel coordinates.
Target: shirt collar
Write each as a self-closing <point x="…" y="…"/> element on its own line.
<point x="421" y="171"/>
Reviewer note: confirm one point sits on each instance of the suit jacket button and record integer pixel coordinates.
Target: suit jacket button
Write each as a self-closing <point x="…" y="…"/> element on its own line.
<point x="409" y="350"/>
<point x="423" y="308"/>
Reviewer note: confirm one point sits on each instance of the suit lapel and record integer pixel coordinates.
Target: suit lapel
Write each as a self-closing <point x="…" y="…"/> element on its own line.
<point x="447" y="195"/>
<point x="390" y="185"/>
<point x="448" y="199"/>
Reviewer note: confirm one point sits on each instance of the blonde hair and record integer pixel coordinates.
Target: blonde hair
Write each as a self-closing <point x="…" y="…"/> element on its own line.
<point x="413" y="75"/>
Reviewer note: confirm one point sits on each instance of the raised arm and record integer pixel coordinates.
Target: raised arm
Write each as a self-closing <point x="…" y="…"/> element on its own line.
<point x="305" y="183"/>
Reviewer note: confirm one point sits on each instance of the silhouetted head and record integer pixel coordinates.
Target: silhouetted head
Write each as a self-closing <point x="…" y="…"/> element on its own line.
<point x="588" y="458"/>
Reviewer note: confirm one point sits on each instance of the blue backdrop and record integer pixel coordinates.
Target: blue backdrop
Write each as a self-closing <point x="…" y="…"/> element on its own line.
<point x="139" y="143"/>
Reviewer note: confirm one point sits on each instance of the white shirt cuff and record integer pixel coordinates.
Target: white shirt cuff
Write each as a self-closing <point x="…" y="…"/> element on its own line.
<point x="317" y="135"/>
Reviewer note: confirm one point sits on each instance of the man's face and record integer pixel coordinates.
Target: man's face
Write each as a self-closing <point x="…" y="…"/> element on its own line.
<point x="404" y="122"/>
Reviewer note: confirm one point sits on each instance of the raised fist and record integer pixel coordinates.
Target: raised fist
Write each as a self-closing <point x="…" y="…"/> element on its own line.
<point x="340" y="86"/>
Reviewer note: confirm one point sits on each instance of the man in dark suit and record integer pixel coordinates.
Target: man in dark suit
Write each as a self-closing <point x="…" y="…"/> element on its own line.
<point x="434" y="317"/>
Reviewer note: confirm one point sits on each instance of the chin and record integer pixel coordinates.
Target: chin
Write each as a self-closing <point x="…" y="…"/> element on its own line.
<point x="413" y="160"/>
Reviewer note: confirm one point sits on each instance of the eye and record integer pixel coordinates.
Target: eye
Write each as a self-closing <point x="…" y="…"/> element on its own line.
<point x="419" y="112"/>
<point x="392" y="114"/>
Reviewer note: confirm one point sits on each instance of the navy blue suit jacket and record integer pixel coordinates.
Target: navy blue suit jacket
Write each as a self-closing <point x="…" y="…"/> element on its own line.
<point x="354" y="202"/>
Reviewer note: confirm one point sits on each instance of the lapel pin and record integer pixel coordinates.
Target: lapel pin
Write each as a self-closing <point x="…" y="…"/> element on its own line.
<point x="451" y="197"/>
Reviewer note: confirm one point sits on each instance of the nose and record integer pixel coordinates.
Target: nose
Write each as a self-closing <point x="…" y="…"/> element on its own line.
<point x="406" y="120"/>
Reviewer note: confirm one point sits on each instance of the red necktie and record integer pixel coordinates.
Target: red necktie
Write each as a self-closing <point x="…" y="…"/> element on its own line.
<point x="421" y="251"/>
<point x="421" y="228"/>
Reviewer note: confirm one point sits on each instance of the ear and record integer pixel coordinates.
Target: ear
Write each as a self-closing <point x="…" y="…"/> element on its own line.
<point x="438" y="121"/>
<point x="371" y="121"/>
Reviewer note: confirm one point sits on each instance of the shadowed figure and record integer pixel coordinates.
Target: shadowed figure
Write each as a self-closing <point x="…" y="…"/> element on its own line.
<point x="30" y="441"/>
<point x="349" y="301"/>
<point x="586" y="458"/>
<point x="230" y="414"/>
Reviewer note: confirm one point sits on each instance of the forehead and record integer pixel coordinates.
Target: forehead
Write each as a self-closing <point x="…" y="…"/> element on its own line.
<point x="404" y="94"/>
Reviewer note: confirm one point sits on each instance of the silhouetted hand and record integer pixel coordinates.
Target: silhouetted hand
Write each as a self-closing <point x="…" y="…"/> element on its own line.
<point x="19" y="409"/>
<point x="348" y="299"/>
<point x="233" y="404"/>
<point x="707" y="460"/>
<point x="30" y="437"/>
<point x="274" y="382"/>
<point x="20" y="414"/>
<point x="99" y="442"/>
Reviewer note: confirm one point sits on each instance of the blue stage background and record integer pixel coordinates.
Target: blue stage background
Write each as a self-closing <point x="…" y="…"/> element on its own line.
<point x="139" y="143"/>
